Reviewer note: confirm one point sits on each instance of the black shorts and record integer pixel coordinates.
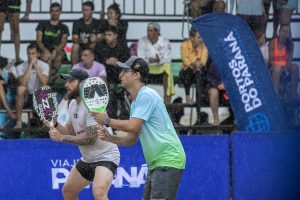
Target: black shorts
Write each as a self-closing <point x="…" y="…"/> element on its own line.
<point x="10" y="6"/>
<point x="162" y="183"/>
<point x="87" y="170"/>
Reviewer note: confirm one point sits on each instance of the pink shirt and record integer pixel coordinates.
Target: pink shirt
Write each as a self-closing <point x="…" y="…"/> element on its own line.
<point x="96" y="70"/>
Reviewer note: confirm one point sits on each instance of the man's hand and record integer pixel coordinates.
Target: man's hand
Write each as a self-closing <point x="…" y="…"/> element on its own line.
<point x="55" y="135"/>
<point x="103" y="134"/>
<point x="33" y="63"/>
<point x="112" y="61"/>
<point x="99" y="117"/>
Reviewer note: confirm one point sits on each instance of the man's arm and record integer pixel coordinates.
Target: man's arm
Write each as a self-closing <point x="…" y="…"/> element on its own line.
<point x="24" y="79"/>
<point x="120" y="138"/>
<point x="131" y="129"/>
<point x="87" y="138"/>
<point x="63" y="42"/>
<point x="42" y="77"/>
<point x="39" y="41"/>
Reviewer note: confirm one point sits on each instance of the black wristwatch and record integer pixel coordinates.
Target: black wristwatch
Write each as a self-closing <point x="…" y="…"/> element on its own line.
<point x="106" y="121"/>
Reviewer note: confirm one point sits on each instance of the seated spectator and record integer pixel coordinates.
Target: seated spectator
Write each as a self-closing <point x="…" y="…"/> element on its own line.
<point x="108" y="52"/>
<point x="10" y="9"/>
<point x="32" y="74"/>
<point x="219" y="6"/>
<point x="200" y="7"/>
<point x="51" y="37"/>
<point x="156" y="50"/>
<point x="284" y="11"/>
<point x="252" y="12"/>
<point x="88" y="64"/>
<point x="261" y="40"/>
<point x="194" y="56"/>
<point x="215" y="88"/>
<point x="114" y="19"/>
<point x="85" y="32"/>
<point x="7" y="79"/>
<point x="281" y="51"/>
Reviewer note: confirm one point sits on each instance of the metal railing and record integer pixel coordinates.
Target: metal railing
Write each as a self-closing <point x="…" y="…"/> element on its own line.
<point x="168" y="8"/>
<point x="150" y="8"/>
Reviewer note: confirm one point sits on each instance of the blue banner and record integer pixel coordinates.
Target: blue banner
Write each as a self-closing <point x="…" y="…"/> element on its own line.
<point x="265" y="166"/>
<point x="235" y="52"/>
<point x="35" y="169"/>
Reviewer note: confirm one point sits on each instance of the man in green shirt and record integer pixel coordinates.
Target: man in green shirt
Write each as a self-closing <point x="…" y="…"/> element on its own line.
<point x="149" y="121"/>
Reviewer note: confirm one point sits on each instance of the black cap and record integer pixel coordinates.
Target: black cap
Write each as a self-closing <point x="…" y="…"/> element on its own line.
<point x="136" y="64"/>
<point x="75" y="74"/>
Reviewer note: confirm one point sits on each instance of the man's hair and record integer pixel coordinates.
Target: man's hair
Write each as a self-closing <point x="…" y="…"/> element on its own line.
<point x="89" y="4"/>
<point x="112" y="29"/>
<point x="55" y="5"/>
<point x="88" y="49"/>
<point x="3" y="62"/>
<point x="193" y="32"/>
<point x="33" y="45"/>
<point x="116" y="8"/>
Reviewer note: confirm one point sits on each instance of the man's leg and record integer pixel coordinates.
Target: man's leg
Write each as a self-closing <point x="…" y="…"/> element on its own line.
<point x="167" y="99"/>
<point x="20" y="99"/>
<point x="75" y="54"/>
<point x="2" y="21"/>
<point x="74" y="184"/>
<point x="14" y="27"/>
<point x="102" y="182"/>
<point x="214" y="104"/>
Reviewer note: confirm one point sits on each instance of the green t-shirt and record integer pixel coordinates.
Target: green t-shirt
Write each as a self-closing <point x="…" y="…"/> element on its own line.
<point x="160" y="143"/>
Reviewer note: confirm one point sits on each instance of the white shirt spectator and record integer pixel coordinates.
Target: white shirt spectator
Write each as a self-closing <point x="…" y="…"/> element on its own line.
<point x="33" y="83"/>
<point x="161" y="48"/>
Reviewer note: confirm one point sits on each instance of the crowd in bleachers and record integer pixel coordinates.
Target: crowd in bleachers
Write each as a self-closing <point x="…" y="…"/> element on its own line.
<point x="98" y="44"/>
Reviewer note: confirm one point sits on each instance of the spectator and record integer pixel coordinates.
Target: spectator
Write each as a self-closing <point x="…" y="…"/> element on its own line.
<point x="194" y="56"/>
<point x="51" y="38"/>
<point x="253" y="13"/>
<point x="114" y="19"/>
<point x="109" y="52"/>
<point x="86" y="31"/>
<point x="156" y="50"/>
<point x="7" y="78"/>
<point x="219" y="6"/>
<point x="260" y="36"/>
<point x="200" y="7"/>
<point x="31" y="74"/>
<point x="27" y="11"/>
<point x="11" y="9"/>
<point x="215" y="86"/>
<point x="281" y="51"/>
<point x="284" y="11"/>
<point x="88" y="64"/>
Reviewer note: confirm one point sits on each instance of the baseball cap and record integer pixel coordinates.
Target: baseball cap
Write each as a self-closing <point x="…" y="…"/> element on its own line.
<point x="75" y="74"/>
<point x="136" y="64"/>
<point x="154" y="25"/>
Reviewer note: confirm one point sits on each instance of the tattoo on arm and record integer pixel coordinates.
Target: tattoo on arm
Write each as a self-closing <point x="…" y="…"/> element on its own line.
<point x="85" y="139"/>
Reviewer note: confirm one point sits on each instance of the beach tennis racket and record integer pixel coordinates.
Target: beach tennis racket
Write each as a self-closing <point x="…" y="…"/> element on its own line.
<point x="45" y="104"/>
<point x="94" y="94"/>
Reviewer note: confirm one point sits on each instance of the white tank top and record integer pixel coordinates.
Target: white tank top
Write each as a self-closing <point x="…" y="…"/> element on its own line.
<point x="101" y="150"/>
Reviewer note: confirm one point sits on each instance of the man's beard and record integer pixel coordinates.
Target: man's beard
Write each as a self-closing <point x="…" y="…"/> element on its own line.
<point x="74" y="94"/>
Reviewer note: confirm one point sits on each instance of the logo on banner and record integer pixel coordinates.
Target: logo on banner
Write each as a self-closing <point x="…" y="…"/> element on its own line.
<point x="242" y="76"/>
<point x="134" y="177"/>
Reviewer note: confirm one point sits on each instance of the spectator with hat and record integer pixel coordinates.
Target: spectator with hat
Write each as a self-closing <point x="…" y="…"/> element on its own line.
<point x="156" y="50"/>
